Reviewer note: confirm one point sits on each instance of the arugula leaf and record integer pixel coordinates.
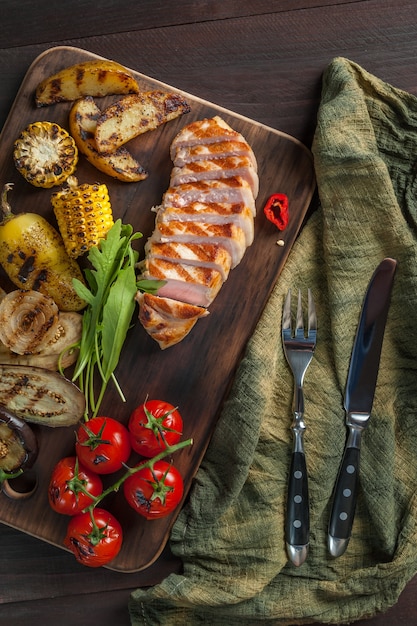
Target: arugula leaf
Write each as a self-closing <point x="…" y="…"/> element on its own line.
<point x="117" y="316"/>
<point x="150" y="286"/>
<point x="110" y="298"/>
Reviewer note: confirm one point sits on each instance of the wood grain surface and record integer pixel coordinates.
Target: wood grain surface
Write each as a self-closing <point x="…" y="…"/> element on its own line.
<point x="263" y="60"/>
<point x="196" y="373"/>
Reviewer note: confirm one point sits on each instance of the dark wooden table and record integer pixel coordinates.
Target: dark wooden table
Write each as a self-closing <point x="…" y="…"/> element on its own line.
<point x="262" y="59"/>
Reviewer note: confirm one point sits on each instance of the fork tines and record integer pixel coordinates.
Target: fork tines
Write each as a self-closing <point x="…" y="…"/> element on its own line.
<point x="299" y="328"/>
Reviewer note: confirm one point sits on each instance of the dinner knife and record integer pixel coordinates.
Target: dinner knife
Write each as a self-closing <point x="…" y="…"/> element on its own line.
<point x="359" y="396"/>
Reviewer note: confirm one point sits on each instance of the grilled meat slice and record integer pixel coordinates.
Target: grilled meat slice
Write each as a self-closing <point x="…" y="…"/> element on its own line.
<point x="187" y="283"/>
<point x="204" y="132"/>
<point x="212" y="213"/>
<point x="228" y="235"/>
<point x="217" y="169"/>
<point x="167" y="321"/>
<point x="217" y="150"/>
<point x="209" y="255"/>
<point x="229" y="190"/>
<point x="202" y="227"/>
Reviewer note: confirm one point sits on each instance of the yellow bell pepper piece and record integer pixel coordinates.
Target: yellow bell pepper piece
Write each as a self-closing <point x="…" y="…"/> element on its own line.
<point x="33" y="255"/>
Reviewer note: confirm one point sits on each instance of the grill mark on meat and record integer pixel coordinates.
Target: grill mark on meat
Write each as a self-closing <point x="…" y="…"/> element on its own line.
<point x="228" y="235"/>
<point x="186" y="283"/>
<point x="232" y="190"/>
<point x="167" y="321"/>
<point x="216" y="169"/>
<point x="217" y="150"/>
<point x="210" y="255"/>
<point x="211" y="213"/>
<point x="204" y="132"/>
<point x="202" y="227"/>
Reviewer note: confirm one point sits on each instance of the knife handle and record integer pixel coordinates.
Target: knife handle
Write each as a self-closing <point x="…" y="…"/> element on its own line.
<point x="297" y="528"/>
<point x="344" y="502"/>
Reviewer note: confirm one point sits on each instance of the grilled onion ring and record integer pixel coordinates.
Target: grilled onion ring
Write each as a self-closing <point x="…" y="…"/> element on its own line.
<point x="28" y="321"/>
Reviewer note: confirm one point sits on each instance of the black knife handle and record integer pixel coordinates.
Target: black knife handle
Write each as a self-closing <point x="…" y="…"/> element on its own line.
<point x="344" y="502"/>
<point x="297" y="527"/>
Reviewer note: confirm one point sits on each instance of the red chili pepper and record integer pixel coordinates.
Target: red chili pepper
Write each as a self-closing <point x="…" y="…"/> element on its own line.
<point x="276" y="210"/>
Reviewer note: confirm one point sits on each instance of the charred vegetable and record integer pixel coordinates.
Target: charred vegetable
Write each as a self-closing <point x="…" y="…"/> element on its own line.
<point x="136" y="114"/>
<point x="40" y="396"/>
<point x="34" y="332"/>
<point x="28" y="320"/>
<point x="33" y="255"/>
<point x="92" y="78"/>
<point x="45" y="154"/>
<point x="18" y="445"/>
<point x="119" y="164"/>
<point x="84" y="215"/>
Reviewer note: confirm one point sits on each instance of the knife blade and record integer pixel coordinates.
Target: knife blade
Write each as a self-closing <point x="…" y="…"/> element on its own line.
<point x="359" y="397"/>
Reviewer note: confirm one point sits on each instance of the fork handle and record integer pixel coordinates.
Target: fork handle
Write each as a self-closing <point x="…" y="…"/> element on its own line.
<point x="297" y="529"/>
<point x="344" y="502"/>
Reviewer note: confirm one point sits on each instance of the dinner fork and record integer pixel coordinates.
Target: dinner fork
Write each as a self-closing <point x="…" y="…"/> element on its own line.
<point x="298" y="349"/>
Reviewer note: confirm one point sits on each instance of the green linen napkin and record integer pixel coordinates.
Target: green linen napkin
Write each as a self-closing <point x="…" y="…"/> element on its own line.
<point x="230" y="535"/>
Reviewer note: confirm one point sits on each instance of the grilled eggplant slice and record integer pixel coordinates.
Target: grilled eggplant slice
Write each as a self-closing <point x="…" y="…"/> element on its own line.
<point x="40" y="396"/>
<point x="18" y="444"/>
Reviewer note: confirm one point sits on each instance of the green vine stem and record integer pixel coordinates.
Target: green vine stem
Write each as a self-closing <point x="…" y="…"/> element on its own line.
<point x="132" y="470"/>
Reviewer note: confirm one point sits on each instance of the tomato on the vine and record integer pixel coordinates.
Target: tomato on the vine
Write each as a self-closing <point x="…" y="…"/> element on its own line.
<point x="154" y="492"/>
<point x="94" y="543"/>
<point x="103" y="445"/>
<point x="69" y="486"/>
<point x="153" y="425"/>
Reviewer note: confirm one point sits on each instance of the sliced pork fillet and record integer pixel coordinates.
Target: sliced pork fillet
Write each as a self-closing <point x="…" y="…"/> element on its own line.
<point x="203" y="132"/>
<point x="232" y="190"/>
<point x="187" y="283"/>
<point x="209" y="255"/>
<point x="202" y="227"/>
<point x="217" y="169"/>
<point x="228" y="235"/>
<point x="218" y="150"/>
<point x="212" y="213"/>
<point x="167" y="321"/>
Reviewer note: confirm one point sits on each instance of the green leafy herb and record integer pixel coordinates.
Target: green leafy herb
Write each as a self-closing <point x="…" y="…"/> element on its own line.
<point x="110" y="297"/>
<point x="150" y="286"/>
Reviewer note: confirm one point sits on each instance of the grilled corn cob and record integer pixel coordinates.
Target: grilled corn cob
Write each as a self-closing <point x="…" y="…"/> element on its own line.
<point x="33" y="255"/>
<point x="45" y="154"/>
<point x="84" y="215"/>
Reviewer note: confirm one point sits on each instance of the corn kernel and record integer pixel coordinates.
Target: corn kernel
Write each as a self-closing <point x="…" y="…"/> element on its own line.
<point x="84" y="215"/>
<point x="45" y="154"/>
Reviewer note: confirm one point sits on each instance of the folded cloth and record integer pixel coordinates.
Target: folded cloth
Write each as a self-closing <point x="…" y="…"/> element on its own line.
<point x="230" y="535"/>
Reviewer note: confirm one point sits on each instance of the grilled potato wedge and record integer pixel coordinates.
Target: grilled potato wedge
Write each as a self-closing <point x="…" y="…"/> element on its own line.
<point x="91" y="78"/>
<point x="120" y="164"/>
<point x="135" y="114"/>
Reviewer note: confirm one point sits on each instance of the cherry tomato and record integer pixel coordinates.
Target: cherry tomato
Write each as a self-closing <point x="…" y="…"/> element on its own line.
<point x="154" y="425"/>
<point x="103" y="445"/>
<point x="68" y="484"/>
<point x="154" y="492"/>
<point x="95" y="544"/>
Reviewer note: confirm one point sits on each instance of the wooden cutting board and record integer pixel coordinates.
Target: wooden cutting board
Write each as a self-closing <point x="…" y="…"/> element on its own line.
<point x="196" y="374"/>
